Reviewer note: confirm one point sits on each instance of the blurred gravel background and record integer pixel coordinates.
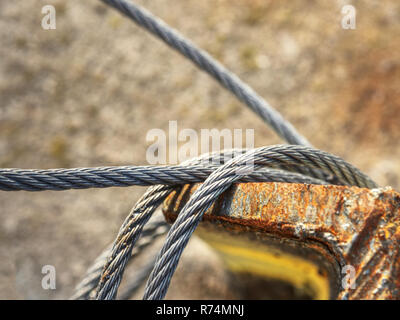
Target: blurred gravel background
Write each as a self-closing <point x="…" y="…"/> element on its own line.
<point x="86" y="94"/>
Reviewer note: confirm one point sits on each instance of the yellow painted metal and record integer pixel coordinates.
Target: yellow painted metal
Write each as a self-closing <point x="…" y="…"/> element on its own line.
<point x="241" y="256"/>
<point x="306" y="235"/>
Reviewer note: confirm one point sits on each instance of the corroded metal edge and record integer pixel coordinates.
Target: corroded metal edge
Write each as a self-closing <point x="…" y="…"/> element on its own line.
<point x="359" y="227"/>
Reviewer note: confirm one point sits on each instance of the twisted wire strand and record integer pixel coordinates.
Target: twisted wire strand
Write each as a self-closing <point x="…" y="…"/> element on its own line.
<point x="280" y="155"/>
<point x="273" y="155"/>
<point x="101" y="177"/>
<point x="215" y="184"/>
<point x="183" y="228"/>
<point x="124" y="176"/>
<point x="126" y="239"/>
<point x="139" y="215"/>
<point x="86" y="288"/>
<point x="135" y="221"/>
<point x="206" y="63"/>
<point x="158" y="194"/>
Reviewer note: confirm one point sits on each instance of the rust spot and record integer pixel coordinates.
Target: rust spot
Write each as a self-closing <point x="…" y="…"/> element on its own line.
<point x="353" y="226"/>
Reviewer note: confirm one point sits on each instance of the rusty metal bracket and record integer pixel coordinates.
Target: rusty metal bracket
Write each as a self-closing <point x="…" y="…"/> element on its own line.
<point x="334" y="242"/>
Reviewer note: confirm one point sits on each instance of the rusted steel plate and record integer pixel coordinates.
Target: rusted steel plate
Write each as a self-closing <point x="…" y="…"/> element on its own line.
<point x="339" y="242"/>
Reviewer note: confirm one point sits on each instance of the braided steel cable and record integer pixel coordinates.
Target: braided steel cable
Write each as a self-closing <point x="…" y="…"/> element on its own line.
<point x="86" y="288"/>
<point x="216" y="183"/>
<point x="124" y="176"/>
<point x="273" y="155"/>
<point x="131" y="229"/>
<point x="136" y="220"/>
<point x="138" y="217"/>
<point x="206" y="63"/>
<point x="185" y="224"/>
<point x="158" y="194"/>
<point x="126" y="239"/>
